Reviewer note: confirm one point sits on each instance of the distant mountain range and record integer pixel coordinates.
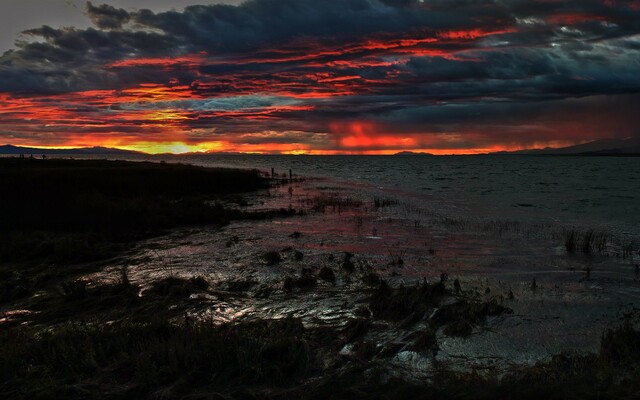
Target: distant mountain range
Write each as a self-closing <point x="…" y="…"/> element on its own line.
<point x="10" y="149"/>
<point x="613" y="147"/>
<point x="412" y="153"/>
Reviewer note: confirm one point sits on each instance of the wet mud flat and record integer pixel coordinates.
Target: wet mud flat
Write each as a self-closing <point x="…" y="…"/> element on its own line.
<point x="350" y="284"/>
<point x="324" y="264"/>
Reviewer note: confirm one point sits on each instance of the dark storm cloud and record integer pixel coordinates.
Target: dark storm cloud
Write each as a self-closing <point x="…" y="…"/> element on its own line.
<point x="259" y="23"/>
<point x="307" y="65"/>
<point x="263" y="24"/>
<point x="217" y="28"/>
<point x="106" y="16"/>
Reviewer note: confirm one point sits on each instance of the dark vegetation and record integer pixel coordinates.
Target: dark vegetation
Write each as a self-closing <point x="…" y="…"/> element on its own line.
<point x="332" y="202"/>
<point x="380" y="202"/>
<point x="272" y="257"/>
<point x="434" y="304"/>
<point x="587" y="242"/>
<point x="113" y="197"/>
<point x="142" y="360"/>
<point x="279" y="359"/>
<point x="327" y="275"/>
<point x="305" y="281"/>
<point x="176" y="287"/>
<point x="347" y="262"/>
<point x="154" y="349"/>
<point x="57" y="214"/>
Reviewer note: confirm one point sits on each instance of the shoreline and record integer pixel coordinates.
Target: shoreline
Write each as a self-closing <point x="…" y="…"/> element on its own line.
<point x="307" y="268"/>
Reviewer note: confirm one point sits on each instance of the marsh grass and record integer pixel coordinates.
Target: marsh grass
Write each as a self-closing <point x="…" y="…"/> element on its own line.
<point x="145" y="355"/>
<point x="426" y="302"/>
<point x="135" y="360"/>
<point x="331" y="202"/>
<point x="305" y="281"/>
<point x="347" y="262"/>
<point x="112" y="196"/>
<point x="272" y="257"/>
<point x="396" y="304"/>
<point x="587" y="242"/>
<point x="172" y="286"/>
<point x="327" y="275"/>
<point x="57" y="213"/>
<point x="381" y="202"/>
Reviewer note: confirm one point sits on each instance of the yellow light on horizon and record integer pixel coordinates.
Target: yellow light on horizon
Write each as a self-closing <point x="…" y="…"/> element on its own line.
<point x="173" y="147"/>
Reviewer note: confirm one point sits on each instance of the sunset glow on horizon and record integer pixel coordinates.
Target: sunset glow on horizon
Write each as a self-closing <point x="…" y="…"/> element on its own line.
<point x="334" y="77"/>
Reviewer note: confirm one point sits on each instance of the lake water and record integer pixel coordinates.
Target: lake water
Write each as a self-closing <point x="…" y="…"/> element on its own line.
<point x="602" y="192"/>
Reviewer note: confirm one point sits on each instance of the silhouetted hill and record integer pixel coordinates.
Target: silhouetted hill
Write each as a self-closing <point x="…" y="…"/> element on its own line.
<point x="412" y="153"/>
<point x="627" y="146"/>
<point x="10" y="149"/>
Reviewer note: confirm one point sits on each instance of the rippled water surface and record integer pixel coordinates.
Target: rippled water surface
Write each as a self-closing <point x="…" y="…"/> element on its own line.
<point x="579" y="190"/>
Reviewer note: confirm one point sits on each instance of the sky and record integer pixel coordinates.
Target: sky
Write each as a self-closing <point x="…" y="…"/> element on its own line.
<point x="318" y="77"/>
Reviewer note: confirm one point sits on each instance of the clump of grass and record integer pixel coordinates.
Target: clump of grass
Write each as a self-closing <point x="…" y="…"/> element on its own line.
<point x="364" y="350"/>
<point x="405" y="302"/>
<point x="334" y="202"/>
<point x="305" y="281"/>
<point x="200" y="282"/>
<point x="77" y="300"/>
<point x="412" y="304"/>
<point x="380" y="202"/>
<point x="627" y="251"/>
<point x="459" y="328"/>
<point x="288" y="284"/>
<point x="355" y="329"/>
<point x="426" y="341"/>
<point x="178" y="287"/>
<point x="571" y="241"/>
<point x="397" y="257"/>
<point x="460" y="317"/>
<point x="568" y="375"/>
<point x="620" y="346"/>
<point x="457" y="288"/>
<point x="14" y="284"/>
<point x="371" y="279"/>
<point x="362" y="311"/>
<point x="74" y="290"/>
<point x="272" y="257"/>
<point x="327" y="275"/>
<point x="347" y="262"/>
<point x="587" y="242"/>
<point x="240" y="285"/>
<point x="232" y="241"/>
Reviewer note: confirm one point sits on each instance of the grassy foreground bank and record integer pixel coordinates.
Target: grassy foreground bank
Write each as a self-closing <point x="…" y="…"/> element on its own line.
<point x="276" y="360"/>
<point x="56" y="214"/>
